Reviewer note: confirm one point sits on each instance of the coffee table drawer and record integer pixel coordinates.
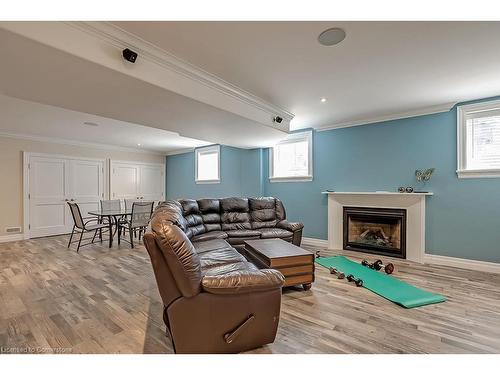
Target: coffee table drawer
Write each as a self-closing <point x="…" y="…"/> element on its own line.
<point x="297" y="280"/>
<point x="297" y="270"/>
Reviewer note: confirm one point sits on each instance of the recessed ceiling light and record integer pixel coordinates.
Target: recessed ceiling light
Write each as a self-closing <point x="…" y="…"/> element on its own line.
<point x="323" y="100"/>
<point x="88" y="123"/>
<point x="332" y="36"/>
<point x="139" y="145"/>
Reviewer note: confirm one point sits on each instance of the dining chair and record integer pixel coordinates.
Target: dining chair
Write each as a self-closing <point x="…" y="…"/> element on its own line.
<point x="111" y="205"/>
<point x="130" y="202"/>
<point x="138" y="221"/>
<point x="128" y="206"/>
<point x="82" y="226"/>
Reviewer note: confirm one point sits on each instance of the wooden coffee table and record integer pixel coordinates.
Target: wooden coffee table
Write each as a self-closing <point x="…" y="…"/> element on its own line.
<point x="295" y="263"/>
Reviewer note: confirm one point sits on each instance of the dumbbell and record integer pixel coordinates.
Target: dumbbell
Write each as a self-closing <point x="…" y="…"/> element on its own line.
<point x="378" y="265"/>
<point x="334" y="271"/>
<point x="358" y="282"/>
<point x="388" y="268"/>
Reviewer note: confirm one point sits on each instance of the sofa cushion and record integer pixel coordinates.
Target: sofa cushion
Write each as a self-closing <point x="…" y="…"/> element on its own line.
<point x="209" y="245"/>
<point x="240" y="240"/>
<point x="228" y="267"/>
<point x="280" y="210"/>
<point x="189" y="207"/>
<point x="219" y="257"/>
<point x="235" y="214"/>
<point x="262" y="212"/>
<point x="234" y="204"/>
<point x="171" y="212"/>
<point x="243" y="233"/>
<point x="210" y="213"/>
<point x="275" y="233"/>
<point x="209" y="236"/>
<point x="180" y="254"/>
<point x="193" y="218"/>
<point x="243" y="281"/>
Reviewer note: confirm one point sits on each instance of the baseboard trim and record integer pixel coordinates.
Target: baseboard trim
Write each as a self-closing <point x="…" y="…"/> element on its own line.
<point x="309" y="241"/>
<point x="12" y="237"/>
<point x="470" y="264"/>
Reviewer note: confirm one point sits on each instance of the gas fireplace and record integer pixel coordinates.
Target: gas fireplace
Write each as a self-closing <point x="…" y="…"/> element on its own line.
<point x="375" y="230"/>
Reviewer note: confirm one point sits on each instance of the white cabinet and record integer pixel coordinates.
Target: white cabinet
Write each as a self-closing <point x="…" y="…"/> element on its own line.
<point x="55" y="180"/>
<point x="130" y="180"/>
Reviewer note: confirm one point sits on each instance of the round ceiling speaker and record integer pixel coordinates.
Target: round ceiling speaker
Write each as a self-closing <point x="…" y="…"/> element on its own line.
<point x="332" y="36"/>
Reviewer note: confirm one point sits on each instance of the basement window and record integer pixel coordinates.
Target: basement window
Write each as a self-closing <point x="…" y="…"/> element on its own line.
<point x="207" y="165"/>
<point x="291" y="159"/>
<point x="478" y="148"/>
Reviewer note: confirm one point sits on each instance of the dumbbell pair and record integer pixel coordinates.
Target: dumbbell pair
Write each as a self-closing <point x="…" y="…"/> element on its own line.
<point x="334" y="271"/>
<point x="378" y="265"/>
<point x="350" y="278"/>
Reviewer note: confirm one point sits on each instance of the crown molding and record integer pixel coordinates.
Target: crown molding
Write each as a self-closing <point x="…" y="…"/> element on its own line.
<point x="100" y="146"/>
<point x="389" y="117"/>
<point x="182" y="151"/>
<point x="119" y="38"/>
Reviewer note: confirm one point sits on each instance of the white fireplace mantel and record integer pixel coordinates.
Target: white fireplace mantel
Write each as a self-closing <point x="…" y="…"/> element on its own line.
<point x="413" y="203"/>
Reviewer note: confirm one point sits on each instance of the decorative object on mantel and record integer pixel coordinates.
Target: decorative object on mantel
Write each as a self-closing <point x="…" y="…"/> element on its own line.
<point x="423" y="175"/>
<point x="407" y="189"/>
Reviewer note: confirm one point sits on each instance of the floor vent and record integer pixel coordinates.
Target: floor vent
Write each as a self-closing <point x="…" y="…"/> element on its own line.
<point x="13" y="230"/>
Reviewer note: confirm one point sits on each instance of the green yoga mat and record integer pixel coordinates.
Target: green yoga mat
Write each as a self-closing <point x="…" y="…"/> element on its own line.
<point x="384" y="285"/>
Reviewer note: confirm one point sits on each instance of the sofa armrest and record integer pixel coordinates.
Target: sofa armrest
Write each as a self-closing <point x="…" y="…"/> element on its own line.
<point x="240" y="282"/>
<point x="292" y="227"/>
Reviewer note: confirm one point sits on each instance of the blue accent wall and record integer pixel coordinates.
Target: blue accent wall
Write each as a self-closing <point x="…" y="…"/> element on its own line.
<point x="463" y="216"/>
<point x="241" y="175"/>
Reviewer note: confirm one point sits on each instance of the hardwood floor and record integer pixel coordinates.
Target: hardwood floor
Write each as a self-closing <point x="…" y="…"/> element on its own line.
<point x="106" y="301"/>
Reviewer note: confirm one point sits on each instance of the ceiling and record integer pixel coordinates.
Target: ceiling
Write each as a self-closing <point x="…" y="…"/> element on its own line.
<point x="25" y="118"/>
<point x="381" y="68"/>
<point x="35" y="72"/>
<point x="222" y="82"/>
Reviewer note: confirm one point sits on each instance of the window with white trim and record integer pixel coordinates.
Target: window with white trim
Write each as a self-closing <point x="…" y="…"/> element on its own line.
<point x="291" y="159"/>
<point x="207" y="170"/>
<point x="478" y="128"/>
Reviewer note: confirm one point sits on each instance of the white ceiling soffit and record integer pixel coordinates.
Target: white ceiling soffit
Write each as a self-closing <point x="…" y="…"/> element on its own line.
<point x="61" y="65"/>
<point x="382" y="70"/>
<point x="29" y="120"/>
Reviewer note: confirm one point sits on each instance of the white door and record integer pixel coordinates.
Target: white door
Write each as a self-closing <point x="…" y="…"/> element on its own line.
<point x="152" y="182"/>
<point x="48" y="193"/>
<point x="87" y="188"/>
<point x="54" y="181"/>
<point x="125" y="181"/>
<point x="131" y="180"/>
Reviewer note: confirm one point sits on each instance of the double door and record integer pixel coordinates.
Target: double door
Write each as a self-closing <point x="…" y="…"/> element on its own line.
<point x="54" y="181"/>
<point x="137" y="181"/>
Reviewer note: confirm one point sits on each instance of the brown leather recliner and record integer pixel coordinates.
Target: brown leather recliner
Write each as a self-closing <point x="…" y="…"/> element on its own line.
<point x="214" y="300"/>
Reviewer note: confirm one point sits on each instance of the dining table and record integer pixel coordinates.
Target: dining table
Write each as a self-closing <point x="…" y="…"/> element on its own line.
<point x="113" y="217"/>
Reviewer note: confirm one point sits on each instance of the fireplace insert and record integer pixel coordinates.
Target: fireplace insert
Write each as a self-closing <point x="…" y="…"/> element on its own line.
<point x="375" y="230"/>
